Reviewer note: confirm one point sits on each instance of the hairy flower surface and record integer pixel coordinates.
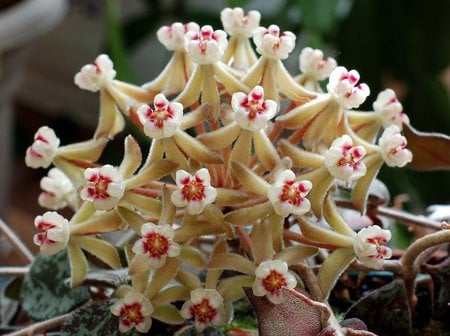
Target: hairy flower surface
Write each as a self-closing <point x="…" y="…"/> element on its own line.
<point x="194" y="191"/>
<point x="206" y="46"/>
<point x="271" y="44"/>
<point x="343" y="160"/>
<point x="56" y="187"/>
<point x="172" y="37"/>
<point x="93" y="77"/>
<point x="157" y="244"/>
<point x="252" y="111"/>
<point x="134" y="311"/>
<point x="390" y="109"/>
<point x="206" y="306"/>
<point x="55" y="233"/>
<point x="104" y="187"/>
<point x="236" y="23"/>
<point x="271" y="277"/>
<point x="344" y="87"/>
<point x="313" y="63"/>
<point x="368" y="248"/>
<point x="393" y="147"/>
<point x="43" y="149"/>
<point x="163" y="120"/>
<point x="289" y="197"/>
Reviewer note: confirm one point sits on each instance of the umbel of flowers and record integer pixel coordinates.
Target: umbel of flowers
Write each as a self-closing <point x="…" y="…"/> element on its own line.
<point x="240" y="150"/>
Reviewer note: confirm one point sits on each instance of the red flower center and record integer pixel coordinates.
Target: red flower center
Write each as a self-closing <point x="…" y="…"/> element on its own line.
<point x="274" y="281"/>
<point x="193" y="189"/>
<point x="131" y="313"/>
<point x="292" y="193"/>
<point x="159" y="115"/>
<point x="99" y="186"/>
<point x="203" y="311"/>
<point x="155" y="244"/>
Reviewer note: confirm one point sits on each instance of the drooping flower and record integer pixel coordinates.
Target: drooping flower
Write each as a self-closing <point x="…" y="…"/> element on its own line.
<point x="288" y="196"/>
<point x="271" y="277"/>
<point x="313" y="63"/>
<point x="343" y="160"/>
<point x="163" y="120"/>
<point x="368" y="248"/>
<point x="235" y="22"/>
<point x="43" y="149"/>
<point x="205" y="46"/>
<point x="134" y="311"/>
<point x="194" y="191"/>
<point x="56" y="188"/>
<point x="55" y="235"/>
<point x="390" y="109"/>
<point x="93" y="77"/>
<point x="344" y="87"/>
<point x="206" y="306"/>
<point x="271" y="44"/>
<point x="157" y="244"/>
<point x="252" y="111"/>
<point x="393" y="147"/>
<point x="104" y="187"/>
<point x="172" y="37"/>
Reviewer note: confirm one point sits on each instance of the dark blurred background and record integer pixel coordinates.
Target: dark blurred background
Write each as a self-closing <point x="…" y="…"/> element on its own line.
<point x="402" y="44"/>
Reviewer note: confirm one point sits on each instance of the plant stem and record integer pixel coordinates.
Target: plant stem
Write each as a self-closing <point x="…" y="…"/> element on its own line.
<point x="401" y="216"/>
<point x="13" y="270"/>
<point x="409" y="265"/>
<point x="301" y="239"/>
<point x="41" y="326"/>
<point x="16" y="241"/>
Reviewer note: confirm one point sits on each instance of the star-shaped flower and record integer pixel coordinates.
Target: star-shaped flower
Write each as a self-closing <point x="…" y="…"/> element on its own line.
<point x="343" y="160"/>
<point x="157" y="244"/>
<point x="43" y="149"/>
<point x="206" y="306"/>
<point x="194" y="191"/>
<point x="271" y="277"/>
<point x="104" y="187"/>
<point x="344" y="87"/>
<point x="55" y="235"/>
<point x="393" y="147"/>
<point x="368" y="248"/>
<point x="134" y="311"/>
<point x="93" y="77"/>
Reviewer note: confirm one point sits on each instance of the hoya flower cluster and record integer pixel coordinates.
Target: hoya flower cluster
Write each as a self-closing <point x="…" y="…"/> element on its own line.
<point x="240" y="149"/>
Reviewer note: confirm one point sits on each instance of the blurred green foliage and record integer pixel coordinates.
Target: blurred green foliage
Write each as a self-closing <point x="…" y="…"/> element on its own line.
<point x="402" y="44"/>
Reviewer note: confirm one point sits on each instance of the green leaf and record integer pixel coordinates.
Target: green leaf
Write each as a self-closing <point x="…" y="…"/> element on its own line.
<point x="44" y="294"/>
<point x="430" y="150"/>
<point x="94" y="320"/>
<point x="385" y="310"/>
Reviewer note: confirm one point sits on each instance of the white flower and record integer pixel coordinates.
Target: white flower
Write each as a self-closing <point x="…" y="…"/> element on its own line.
<point x="206" y="306"/>
<point x="236" y="23"/>
<point x="289" y="197"/>
<point x="163" y="120"/>
<point x="55" y="235"/>
<point x="104" y="187"/>
<point x="172" y="37"/>
<point x="206" y="46"/>
<point x="271" y="277"/>
<point x="368" y="248"/>
<point x="343" y="161"/>
<point x="251" y="111"/>
<point x="93" y="77"/>
<point x="390" y="109"/>
<point x="312" y="63"/>
<point x="156" y="243"/>
<point x="194" y="191"/>
<point x="56" y="188"/>
<point x="270" y="43"/>
<point x="134" y="310"/>
<point x="43" y="149"/>
<point x="343" y="85"/>
<point x="393" y="147"/>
